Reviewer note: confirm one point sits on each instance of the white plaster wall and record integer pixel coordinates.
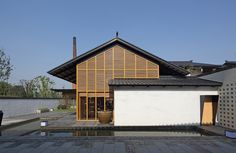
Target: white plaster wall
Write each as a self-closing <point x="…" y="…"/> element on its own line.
<point x="16" y="107"/>
<point x="155" y="107"/>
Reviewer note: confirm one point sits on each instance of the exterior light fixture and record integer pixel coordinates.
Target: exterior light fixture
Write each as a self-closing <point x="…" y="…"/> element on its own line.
<point x="44" y="123"/>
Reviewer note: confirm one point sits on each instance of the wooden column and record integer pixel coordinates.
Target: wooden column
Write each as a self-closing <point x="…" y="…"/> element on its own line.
<point x="77" y="94"/>
<point x="86" y="90"/>
<point x="104" y="104"/>
<point x="95" y="88"/>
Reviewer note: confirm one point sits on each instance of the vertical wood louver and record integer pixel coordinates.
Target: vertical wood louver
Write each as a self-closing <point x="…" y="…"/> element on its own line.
<point x="94" y="73"/>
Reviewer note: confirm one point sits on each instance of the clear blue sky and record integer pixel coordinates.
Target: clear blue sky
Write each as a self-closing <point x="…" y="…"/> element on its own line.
<point x="37" y="35"/>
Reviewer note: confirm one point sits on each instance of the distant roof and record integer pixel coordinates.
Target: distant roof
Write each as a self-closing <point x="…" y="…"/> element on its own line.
<point x="164" y="81"/>
<point x="224" y="67"/>
<point x="191" y="63"/>
<point x="230" y="63"/>
<point x="67" y="70"/>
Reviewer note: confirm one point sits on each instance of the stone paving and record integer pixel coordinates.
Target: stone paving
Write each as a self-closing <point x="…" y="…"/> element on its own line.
<point x="68" y="121"/>
<point x="214" y="129"/>
<point x="118" y="145"/>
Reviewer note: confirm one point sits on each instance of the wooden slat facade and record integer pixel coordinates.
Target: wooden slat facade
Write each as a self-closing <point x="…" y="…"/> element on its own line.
<point x="92" y="75"/>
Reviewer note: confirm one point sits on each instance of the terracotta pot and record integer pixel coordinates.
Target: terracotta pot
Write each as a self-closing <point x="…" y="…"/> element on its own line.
<point x="104" y="117"/>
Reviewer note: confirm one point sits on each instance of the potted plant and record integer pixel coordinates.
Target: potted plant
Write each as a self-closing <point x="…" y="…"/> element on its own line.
<point x="104" y="117"/>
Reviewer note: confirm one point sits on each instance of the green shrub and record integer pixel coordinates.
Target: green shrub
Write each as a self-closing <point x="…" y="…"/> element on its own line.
<point x="42" y="110"/>
<point x="61" y="106"/>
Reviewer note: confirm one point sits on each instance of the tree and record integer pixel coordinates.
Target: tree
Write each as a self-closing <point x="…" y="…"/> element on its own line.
<point x="16" y="91"/>
<point x="38" y="87"/>
<point x="5" y="72"/>
<point x="5" y="66"/>
<point x="30" y="88"/>
<point x="44" y="85"/>
<point x="4" y="88"/>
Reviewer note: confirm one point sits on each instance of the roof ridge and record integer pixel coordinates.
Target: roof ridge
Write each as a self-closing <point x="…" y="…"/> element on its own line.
<point x="69" y="66"/>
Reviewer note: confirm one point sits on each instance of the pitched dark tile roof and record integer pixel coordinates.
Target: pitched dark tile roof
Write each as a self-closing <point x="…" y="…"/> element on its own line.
<point x="67" y="71"/>
<point x="226" y="66"/>
<point x="164" y="81"/>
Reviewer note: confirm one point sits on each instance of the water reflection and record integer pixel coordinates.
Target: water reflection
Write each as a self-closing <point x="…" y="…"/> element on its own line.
<point x="79" y="133"/>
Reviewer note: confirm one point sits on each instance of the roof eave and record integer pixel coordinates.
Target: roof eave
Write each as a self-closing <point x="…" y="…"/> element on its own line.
<point x="198" y="85"/>
<point x="82" y="56"/>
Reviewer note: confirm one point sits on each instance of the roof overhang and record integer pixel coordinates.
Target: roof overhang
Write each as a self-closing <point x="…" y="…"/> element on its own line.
<point x="67" y="71"/>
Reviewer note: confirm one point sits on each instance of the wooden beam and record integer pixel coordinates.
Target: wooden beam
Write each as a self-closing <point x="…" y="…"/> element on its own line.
<point x="113" y="61"/>
<point x="135" y="65"/>
<point x="104" y="104"/>
<point x="86" y="90"/>
<point x="77" y="94"/>
<point x="124" y="63"/>
<point x="95" y="87"/>
<point x="146" y="68"/>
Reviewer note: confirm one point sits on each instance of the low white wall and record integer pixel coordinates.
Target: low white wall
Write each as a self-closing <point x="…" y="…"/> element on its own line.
<point x="145" y="106"/>
<point x="16" y="107"/>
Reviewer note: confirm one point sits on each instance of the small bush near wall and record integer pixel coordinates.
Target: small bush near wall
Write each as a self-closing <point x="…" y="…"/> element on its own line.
<point x="61" y="106"/>
<point x="42" y="110"/>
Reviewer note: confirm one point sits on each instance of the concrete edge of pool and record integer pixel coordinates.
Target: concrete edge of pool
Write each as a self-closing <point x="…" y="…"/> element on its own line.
<point x="200" y="129"/>
<point x="3" y="127"/>
<point x="57" y="138"/>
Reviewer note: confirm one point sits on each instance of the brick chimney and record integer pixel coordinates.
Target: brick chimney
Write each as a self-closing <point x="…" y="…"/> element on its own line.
<point x="74" y="56"/>
<point x="74" y="47"/>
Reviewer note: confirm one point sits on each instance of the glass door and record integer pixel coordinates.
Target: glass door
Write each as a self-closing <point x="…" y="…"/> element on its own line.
<point x="91" y="108"/>
<point x="83" y="108"/>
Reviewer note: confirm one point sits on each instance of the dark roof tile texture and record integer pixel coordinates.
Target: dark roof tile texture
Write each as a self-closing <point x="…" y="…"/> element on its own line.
<point x="164" y="81"/>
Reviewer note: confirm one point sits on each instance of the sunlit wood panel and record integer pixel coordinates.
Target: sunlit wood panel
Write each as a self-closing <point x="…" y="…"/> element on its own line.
<point x="141" y="63"/>
<point x="100" y="61"/>
<point x="129" y="60"/>
<point x="91" y="81"/>
<point x="108" y="76"/>
<point x="91" y="63"/>
<point x="108" y="59"/>
<point x="82" y="66"/>
<point x="94" y="74"/>
<point x="82" y="80"/>
<point x="100" y="80"/>
<point x="119" y="74"/>
<point x="118" y="58"/>
<point x="141" y="74"/>
<point x="129" y="73"/>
